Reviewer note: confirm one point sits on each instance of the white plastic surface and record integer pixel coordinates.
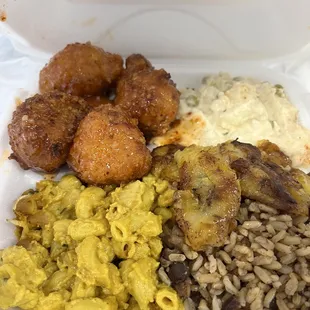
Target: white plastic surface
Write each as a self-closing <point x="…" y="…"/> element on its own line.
<point x="248" y="38"/>
<point x="226" y="29"/>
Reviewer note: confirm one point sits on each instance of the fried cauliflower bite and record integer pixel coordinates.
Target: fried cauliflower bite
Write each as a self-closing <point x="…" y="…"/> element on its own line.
<point x="81" y="69"/>
<point x="109" y="148"/>
<point x="42" y="130"/>
<point x="148" y="95"/>
<point x="137" y="62"/>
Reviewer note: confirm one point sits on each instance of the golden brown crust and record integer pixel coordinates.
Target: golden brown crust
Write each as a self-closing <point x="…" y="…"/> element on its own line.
<point x="151" y="97"/>
<point x="81" y="69"/>
<point x="137" y="62"/>
<point x="109" y="148"/>
<point x="42" y="130"/>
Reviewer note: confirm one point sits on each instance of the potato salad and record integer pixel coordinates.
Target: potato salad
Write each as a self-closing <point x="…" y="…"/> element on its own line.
<point x="226" y="108"/>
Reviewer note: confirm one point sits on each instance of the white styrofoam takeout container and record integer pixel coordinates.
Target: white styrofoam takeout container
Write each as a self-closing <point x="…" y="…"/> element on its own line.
<point x="262" y="39"/>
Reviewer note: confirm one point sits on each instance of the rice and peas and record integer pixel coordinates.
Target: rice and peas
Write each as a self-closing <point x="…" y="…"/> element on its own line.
<point x="264" y="264"/>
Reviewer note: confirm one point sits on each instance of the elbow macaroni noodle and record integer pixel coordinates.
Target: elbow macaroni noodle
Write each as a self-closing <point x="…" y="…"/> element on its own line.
<point x="88" y="248"/>
<point x="166" y="298"/>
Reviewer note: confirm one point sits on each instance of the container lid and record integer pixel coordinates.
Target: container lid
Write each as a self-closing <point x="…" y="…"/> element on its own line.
<point x="222" y="29"/>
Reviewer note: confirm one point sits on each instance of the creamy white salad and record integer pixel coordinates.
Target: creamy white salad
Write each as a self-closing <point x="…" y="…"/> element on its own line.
<point x="226" y="108"/>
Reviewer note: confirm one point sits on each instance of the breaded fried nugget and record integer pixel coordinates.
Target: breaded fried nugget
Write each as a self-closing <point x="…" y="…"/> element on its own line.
<point x="42" y="130"/>
<point x="81" y="69"/>
<point x="148" y="95"/>
<point x="109" y="148"/>
<point x="137" y="62"/>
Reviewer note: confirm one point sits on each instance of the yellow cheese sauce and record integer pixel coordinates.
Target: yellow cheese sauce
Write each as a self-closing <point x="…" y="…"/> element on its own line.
<point x="226" y="108"/>
<point x="88" y="248"/>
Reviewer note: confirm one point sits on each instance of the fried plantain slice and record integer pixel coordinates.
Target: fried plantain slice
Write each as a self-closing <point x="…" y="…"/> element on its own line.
<point x="266" y="181"/>
<point x="210" y="181"/>
<point x="164" y="165"/>
<point x="272" y="153"/>
<point x="208" y="198"/>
